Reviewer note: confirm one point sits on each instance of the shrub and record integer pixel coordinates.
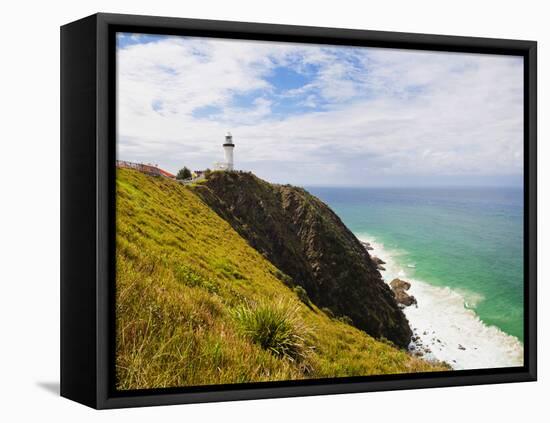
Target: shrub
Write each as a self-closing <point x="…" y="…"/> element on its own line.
<point x="387" y="342"/>
<point x="184" y="173"/>
<point x="328" y="312"/>
<point x="189" y="277"/>
<point x="275" y="327"/>
<point x="346" y="319"/>
<point x="302" y="295"/>
<point x="228" y="270"/>
<point x="284" y="278"/>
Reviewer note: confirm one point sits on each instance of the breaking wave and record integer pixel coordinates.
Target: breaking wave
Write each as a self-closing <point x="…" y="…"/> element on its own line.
<point x="444" y="322"/>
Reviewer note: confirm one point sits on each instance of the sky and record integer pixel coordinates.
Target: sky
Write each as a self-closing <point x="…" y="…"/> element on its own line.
<point x="309" y="114"/>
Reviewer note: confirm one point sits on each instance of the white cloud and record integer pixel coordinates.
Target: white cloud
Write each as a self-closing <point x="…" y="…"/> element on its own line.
<point x="361" y="114"/>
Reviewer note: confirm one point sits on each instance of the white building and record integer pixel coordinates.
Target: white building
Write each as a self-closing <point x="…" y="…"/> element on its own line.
<point x="228" y="147"/>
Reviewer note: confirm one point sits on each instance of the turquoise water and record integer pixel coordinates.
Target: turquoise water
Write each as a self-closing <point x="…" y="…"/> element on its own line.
<point x="467" y="239"/>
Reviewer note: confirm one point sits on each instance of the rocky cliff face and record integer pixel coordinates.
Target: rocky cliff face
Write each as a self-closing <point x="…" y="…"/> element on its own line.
<point x="307" y="241"/>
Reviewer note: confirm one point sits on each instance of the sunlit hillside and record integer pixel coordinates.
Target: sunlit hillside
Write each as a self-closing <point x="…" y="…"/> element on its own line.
<point x="197" y="305"/>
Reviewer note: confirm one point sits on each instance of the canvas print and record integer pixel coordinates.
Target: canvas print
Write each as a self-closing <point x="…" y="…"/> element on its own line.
<point x="291" y="211"/>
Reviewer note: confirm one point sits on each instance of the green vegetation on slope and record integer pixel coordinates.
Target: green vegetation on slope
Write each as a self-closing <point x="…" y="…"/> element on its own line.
<point x="307" y="241"/>
<point x="197" y="305"/>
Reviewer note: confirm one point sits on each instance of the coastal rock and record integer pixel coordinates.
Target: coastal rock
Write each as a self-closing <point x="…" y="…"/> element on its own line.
<point x="399" y="288"/>
<point x="378" y="263"/>
<point x="377" y="260"/>
<point x="400" y="284"/>
<point x="367" y="246"/>
<point x="307" y="241"/>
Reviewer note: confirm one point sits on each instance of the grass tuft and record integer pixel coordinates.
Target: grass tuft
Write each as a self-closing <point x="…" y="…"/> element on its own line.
<point x="275" y="327"/>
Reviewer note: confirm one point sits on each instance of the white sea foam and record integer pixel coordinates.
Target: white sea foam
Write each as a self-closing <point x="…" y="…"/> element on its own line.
<point x="444" y="323"/>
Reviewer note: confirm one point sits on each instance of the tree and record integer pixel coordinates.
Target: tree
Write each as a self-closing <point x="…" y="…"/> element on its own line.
<point x="184" y="173"/>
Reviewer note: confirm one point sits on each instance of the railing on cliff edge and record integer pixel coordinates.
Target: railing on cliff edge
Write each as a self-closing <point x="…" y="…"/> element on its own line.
<point x="149" y="169"/>
<point x="153" y="170"/>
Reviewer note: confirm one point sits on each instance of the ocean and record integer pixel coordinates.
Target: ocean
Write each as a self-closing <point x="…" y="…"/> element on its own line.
<point x="462" y="251"/>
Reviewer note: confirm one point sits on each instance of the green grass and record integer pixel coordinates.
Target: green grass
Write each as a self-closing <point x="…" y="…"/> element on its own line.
<point x="276" y="327"/>
<point x="196" y="305"/>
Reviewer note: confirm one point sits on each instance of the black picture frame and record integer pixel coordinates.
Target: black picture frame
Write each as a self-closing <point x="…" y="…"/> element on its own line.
<point x="87" y="208"/>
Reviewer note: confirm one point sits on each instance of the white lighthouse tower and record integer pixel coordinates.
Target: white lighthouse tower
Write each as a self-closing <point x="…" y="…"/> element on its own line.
<point x="228" y="147"/>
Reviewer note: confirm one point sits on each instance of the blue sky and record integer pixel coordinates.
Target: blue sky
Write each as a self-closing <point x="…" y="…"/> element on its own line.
<point x="321" y="115"/>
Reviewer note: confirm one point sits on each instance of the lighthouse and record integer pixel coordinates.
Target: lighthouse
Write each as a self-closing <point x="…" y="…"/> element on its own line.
<point x="228" y="147"/>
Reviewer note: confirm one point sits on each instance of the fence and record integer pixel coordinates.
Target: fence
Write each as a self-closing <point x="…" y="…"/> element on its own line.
<point x="145" y="168"/>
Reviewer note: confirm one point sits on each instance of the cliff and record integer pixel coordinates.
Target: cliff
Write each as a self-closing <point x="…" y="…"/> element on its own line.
<point x="307" y="241"/>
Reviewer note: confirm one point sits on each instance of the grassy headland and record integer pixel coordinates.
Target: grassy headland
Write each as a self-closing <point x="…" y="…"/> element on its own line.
<point x="197" y="305"/>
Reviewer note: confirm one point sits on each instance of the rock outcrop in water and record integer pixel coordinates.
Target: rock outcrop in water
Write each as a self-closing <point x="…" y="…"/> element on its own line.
<point x="400" y="289"/>
<point x="307" y="241"/>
